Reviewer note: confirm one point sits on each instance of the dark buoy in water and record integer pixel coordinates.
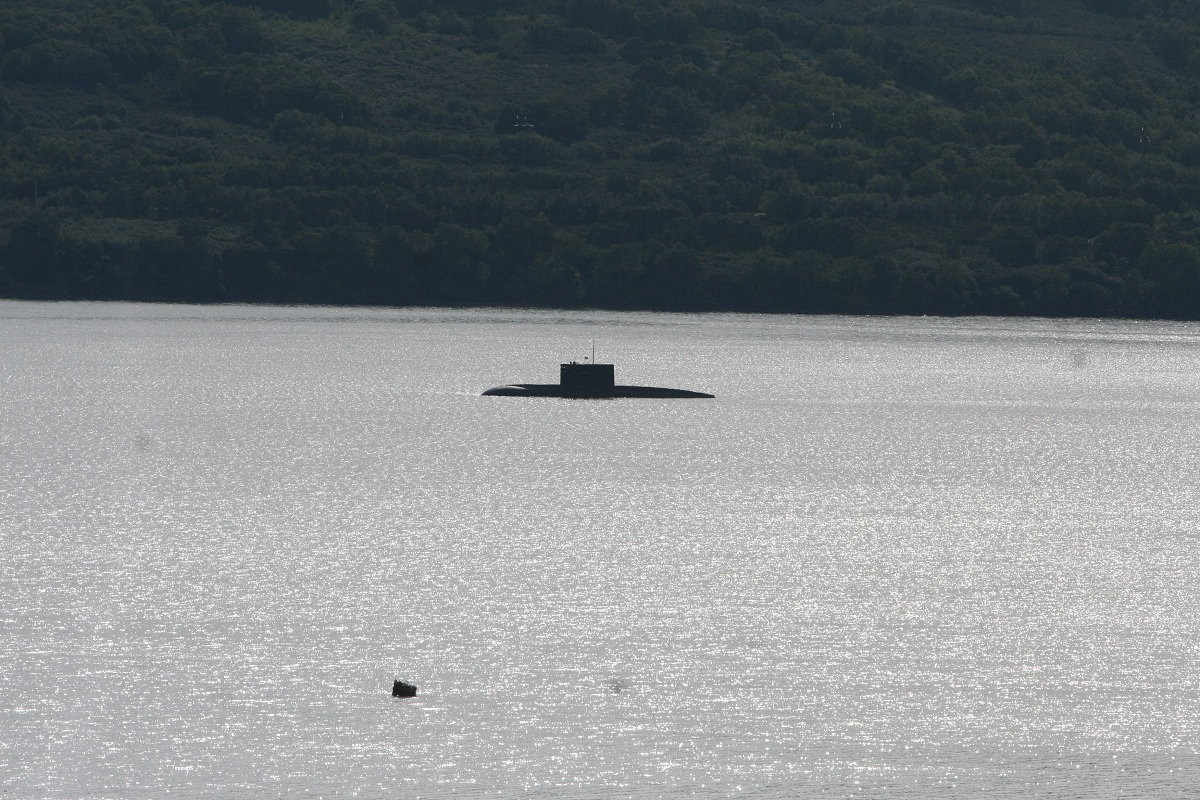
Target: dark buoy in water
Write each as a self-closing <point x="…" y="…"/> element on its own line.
<point x="402" y="689"/>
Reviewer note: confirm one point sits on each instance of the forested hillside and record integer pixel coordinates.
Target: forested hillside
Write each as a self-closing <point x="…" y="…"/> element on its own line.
<point x="971" y="157"/>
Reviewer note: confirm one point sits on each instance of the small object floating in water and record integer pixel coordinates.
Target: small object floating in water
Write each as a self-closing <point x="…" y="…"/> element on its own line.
<point x="402" y="689"/>
<point x="587" y="381"/>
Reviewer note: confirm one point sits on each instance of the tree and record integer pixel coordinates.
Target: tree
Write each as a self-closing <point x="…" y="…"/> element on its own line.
<point x="31" y="255"/>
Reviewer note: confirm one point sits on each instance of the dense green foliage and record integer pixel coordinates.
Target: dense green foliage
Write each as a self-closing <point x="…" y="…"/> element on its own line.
<point x="985" y="156"/>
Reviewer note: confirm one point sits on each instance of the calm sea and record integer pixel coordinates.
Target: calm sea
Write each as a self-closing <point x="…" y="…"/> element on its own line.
<point x="905" y="558"/>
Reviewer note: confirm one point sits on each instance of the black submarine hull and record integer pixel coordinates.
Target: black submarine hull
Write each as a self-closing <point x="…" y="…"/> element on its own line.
<point x="590" y="393"/>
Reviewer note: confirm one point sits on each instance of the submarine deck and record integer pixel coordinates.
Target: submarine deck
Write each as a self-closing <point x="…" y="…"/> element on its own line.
<point x="591" y="393"/>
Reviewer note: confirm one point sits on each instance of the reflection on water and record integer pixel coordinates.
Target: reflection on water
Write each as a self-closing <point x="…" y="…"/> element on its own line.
<point x="909" y="557"/>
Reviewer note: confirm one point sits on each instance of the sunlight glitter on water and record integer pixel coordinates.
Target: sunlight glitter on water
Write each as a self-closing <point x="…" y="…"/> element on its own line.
<point x="913" y="558"/>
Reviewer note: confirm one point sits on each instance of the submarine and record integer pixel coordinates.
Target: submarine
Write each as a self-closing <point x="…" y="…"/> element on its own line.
<point x="586" y="382"/>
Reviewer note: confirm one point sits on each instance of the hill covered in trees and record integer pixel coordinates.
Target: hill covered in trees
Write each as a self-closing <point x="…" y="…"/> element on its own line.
<point x="952" y="157"/>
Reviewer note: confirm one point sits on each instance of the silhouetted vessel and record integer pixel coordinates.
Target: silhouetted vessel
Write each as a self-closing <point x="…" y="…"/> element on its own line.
<point x="587" y="381"/>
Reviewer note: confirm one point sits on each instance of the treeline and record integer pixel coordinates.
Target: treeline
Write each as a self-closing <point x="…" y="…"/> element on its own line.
<point x="992" y="157"/>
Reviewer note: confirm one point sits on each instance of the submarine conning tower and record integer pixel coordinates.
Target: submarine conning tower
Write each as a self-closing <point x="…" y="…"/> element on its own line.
<point x="575" y="377"/>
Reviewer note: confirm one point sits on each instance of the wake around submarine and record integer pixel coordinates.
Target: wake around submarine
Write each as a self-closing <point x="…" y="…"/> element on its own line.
<point x="587" y="381"/>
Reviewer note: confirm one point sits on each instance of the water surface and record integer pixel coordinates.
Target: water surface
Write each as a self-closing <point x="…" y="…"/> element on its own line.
<point x="893" y="557"/>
